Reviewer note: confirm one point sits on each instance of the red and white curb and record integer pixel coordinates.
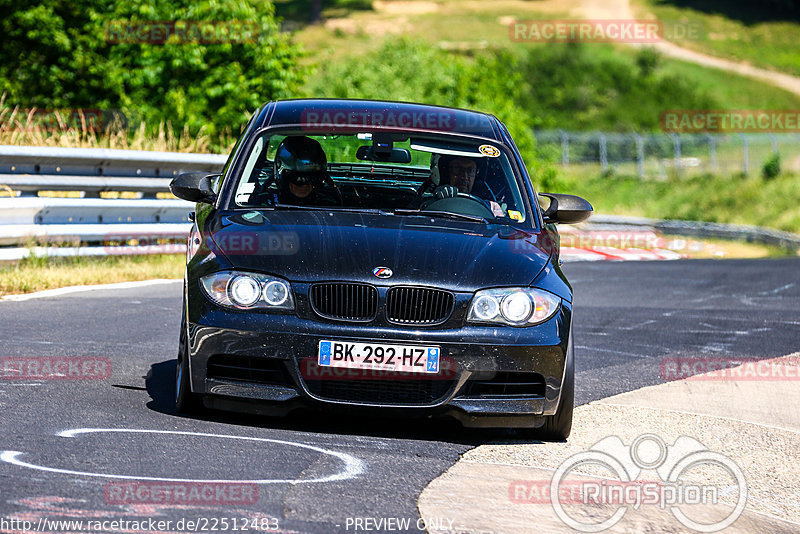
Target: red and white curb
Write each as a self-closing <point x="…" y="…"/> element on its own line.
<point x="618" y="244"/>
<point x="573" y="254"/>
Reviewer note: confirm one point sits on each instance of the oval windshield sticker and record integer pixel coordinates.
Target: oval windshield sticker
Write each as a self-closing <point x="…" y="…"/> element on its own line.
<point x="489" y="150"/>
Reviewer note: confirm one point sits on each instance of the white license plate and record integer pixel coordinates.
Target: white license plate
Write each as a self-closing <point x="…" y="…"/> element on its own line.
<point x="400" y="358"/>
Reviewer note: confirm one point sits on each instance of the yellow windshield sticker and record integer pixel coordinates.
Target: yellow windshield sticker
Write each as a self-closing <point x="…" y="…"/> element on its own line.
<point x="489" y="150"/>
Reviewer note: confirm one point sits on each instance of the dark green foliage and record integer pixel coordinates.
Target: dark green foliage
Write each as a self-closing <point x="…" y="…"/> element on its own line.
<point x="301" y="11"/>
<point x="772" y="167"/>
<point x="553" y="86"/>
<point x="746" y="11"/>
<point x="647" y="59"/>
<point x="54" y="54"/>
<point x="578" y="89"/>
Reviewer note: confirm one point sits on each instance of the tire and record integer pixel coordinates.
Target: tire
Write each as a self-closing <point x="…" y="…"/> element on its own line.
<point x="186" y="401"/>
<point x="557" y="427"/>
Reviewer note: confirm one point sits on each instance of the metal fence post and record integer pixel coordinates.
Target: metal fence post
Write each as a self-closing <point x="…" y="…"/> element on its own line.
<point x="639" y="154"/>
<point x="745" y="154"/>
<point x="603" y="153"/>
<point x="564" y="147"/>
<point x="676" y="144"/>
<point x="712" y="153"/>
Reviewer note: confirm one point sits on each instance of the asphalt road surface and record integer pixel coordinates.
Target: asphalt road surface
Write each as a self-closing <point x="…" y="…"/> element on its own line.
<point x="629" y="318"/>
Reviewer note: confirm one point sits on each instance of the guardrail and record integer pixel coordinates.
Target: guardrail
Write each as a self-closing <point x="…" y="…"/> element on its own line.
<point x="734" y="232"/>
<point x="30" y="169"/>
<point x="152" y="224"/>
<point x="111" y="226"/>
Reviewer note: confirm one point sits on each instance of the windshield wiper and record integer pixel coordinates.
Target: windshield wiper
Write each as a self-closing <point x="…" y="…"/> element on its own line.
<point x="446" y="214"/>
<point x="417" y="213"/>
<point x="329" y="208"/>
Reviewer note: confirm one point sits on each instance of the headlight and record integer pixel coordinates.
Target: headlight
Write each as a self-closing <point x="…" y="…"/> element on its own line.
<point x="248" y="290"/>
<point x="244" y="291"/>
<point x="515" y="306"/>
<point x="276" y="292"/>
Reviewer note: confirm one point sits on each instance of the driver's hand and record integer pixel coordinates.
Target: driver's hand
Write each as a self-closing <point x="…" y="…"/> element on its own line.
<point x="445" y="191"/>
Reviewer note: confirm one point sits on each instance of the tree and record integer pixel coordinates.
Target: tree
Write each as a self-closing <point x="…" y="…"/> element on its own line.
<point x="62" y="54"/>
<point x="316" y="11"/>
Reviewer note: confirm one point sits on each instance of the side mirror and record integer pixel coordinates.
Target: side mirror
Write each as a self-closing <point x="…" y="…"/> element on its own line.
<point x="566" y="209"/>
<point x="194" y="187"/>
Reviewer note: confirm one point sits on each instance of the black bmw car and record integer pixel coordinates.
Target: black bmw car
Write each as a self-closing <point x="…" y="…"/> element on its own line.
<point x="380" y="256"/>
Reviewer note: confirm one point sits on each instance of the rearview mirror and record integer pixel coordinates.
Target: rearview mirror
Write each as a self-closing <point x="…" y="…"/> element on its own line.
<point x="194" y="187"/>
<point x="566" y="209"/>
<point x="397" y="155"/>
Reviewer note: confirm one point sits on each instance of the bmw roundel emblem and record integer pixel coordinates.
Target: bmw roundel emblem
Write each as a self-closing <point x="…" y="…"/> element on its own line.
<point x="382" y="272"/>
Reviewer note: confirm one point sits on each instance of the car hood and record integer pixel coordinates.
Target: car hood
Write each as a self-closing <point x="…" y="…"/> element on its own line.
<point x="311" y="246"/>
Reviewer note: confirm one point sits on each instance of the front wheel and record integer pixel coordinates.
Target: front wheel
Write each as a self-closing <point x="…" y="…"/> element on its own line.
<point x="185" y="401"/>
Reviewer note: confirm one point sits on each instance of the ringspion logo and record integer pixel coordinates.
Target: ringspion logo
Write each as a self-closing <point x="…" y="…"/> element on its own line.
<point x="620" y="480"/>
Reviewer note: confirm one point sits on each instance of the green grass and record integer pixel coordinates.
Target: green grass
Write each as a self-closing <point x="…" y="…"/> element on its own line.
<point x="730" y="199"/>
<point x="746" y="34"/>
<point x="39" y="273"/>
<point x="729" y="90"/>
<point x="470" y="29"/>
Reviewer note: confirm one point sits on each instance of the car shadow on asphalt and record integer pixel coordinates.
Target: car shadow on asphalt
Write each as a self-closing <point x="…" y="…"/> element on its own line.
<point x="160" y="385"/>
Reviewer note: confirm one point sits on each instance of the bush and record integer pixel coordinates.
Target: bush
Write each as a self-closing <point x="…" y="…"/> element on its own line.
<point x="772" y="167"/>
<point x="648" y="59"/>
<point x="55" y="55"/>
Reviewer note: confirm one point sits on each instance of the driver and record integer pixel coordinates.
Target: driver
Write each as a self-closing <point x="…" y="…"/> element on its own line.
<point x="460" y="173"/>
<point x="301" y="168"/>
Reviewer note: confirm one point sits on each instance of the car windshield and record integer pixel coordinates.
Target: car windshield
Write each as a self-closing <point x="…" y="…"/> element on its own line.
<point x="398" y="174"/>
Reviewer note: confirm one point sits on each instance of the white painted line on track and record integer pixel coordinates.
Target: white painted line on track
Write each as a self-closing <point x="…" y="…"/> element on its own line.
<point x="79" y="289"/>
<point x="353" y="467"/>
<point x="622" y="353"/>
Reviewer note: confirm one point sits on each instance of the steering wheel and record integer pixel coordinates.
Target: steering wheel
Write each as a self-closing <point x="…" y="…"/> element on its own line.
<point x="426" y="186"/>
<point x="338" y="192"/>
<point x="456" y="205"/>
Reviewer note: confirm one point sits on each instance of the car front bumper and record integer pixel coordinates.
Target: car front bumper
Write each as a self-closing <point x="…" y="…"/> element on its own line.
<point x="472" y="387"/>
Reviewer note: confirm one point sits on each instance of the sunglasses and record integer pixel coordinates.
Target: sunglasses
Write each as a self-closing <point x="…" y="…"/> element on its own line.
<point x="303" y="180"/>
